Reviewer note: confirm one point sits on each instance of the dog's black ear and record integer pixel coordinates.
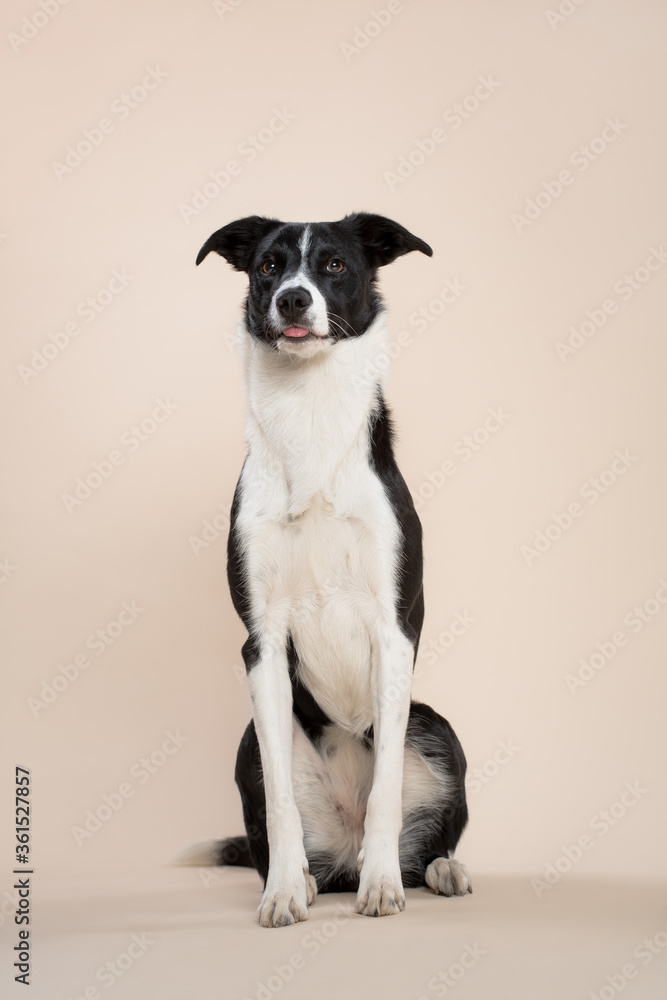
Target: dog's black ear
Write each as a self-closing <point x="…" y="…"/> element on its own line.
<point x="382" y="239"/>
<point x="236" y="242"/>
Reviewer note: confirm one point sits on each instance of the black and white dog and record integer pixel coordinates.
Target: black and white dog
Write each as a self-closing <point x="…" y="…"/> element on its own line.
<point x="346" y="783"/>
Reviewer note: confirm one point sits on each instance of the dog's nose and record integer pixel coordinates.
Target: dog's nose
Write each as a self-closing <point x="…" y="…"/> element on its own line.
<point x="293" y="301"/>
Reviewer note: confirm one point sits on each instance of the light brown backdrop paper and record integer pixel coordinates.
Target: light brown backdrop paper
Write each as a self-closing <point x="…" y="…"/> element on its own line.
<point x="537" y="360"/>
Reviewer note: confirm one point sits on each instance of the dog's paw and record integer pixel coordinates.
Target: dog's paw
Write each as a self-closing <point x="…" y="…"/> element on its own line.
<point x="380" y="896"/>
<point x="285" y="904"/>
<point x="448" y="877"/>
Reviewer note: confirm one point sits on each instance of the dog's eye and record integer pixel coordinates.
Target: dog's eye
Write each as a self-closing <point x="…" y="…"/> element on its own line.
<point x="269" y="266"/>
<point x="335" y="266"/>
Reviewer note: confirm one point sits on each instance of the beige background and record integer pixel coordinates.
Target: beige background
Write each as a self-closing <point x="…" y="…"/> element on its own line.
<point x="168" y="335"/>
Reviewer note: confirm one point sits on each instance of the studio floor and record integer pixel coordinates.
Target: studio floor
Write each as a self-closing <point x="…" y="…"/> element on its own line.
<point x="190" y="934"/>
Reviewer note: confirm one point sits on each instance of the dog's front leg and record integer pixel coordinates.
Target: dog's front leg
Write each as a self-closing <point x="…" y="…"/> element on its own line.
<point x="289" y="888"/>
<point x="380" y="883"/>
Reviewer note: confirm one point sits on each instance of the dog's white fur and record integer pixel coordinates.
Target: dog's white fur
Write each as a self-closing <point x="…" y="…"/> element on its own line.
<point x="320" y="544"/>
<point x="332" y="784"/>
<point x="316" y="319"/>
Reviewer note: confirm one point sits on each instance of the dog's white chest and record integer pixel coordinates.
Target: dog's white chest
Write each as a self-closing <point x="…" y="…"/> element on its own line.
<point x="331" y="608"/>
<point x="324" y="577"/>
<point x="320" y="538"/>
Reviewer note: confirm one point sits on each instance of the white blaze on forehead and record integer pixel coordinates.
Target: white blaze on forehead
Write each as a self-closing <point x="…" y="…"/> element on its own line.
<point x="304" y="244"/>
<point x="316" y="317"/>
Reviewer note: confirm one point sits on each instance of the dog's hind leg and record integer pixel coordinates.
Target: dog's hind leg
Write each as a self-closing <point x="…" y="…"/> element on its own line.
<point x="250" y="784"/>
<point x="434" y="805"/>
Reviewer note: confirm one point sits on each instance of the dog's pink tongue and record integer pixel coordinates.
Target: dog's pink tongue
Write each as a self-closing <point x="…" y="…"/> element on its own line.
<point x="295" y="331"/>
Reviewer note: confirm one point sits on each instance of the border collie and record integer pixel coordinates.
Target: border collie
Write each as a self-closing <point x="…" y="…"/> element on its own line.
<point x="346" y="783"/>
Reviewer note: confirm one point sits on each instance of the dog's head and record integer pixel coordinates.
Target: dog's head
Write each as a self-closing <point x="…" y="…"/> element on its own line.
<point x="311" y="284"/>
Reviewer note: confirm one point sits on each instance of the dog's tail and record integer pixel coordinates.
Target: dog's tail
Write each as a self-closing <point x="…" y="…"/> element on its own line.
<point x="209" y="853"/>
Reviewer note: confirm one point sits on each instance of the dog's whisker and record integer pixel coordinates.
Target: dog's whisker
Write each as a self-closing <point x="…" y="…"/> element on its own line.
<point x="337" y="326"/>
<point x="343" y="320"/>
